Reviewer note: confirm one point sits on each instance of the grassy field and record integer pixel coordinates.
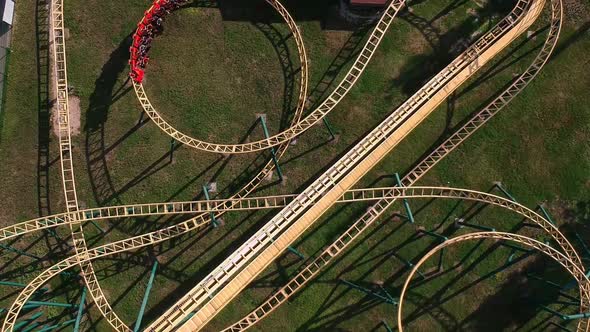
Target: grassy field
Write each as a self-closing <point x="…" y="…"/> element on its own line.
<point x="210" y="74"/>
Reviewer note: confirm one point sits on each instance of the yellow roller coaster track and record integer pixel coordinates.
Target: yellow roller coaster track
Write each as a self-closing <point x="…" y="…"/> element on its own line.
<point x="522" y="16"/>
<point x="216" y="290"/>
<point x="68" y="179"/>
<point x="571" y="267"/>
<point x="67" y="168"/>
<point x="352" y="196"/>
<point x="308" y="272"/>
<point x="299" y="127"/>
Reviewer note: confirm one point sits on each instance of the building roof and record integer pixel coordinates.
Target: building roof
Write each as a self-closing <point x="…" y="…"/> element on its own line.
<point x="368" y="2"/>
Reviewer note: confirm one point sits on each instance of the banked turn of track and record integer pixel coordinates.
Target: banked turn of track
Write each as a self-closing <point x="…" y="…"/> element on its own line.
<point x="425" y="165"/>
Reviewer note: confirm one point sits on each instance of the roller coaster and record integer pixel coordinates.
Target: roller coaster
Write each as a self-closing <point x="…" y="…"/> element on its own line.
<point x="298" y="212"/>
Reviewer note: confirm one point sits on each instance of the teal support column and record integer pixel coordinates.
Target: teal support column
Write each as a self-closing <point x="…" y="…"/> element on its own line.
<point x="554" y="285"/>
<point x="18" y="284"/>
<point x="546" y="214"/>
<point x="211" y="214"/>
<point x="369" y="292"/>
<point x="57" y="326"/>
<point x="574" y="303"/>
<point x="504" y="191"/>
<point x="97" y="226"/>
<point x="272" y="150"/>
<point x="576" y="316"/>
<point x="566" y="317"/>
<point x="548" y="282"/>
<point x="53" y="234"/>
<point x="18" y="251"/>
<point x="26" y="321"/>
<point x="405" y="201"/>
<point x="30" y="327"/>
<point x="408" y="264"/>
<point x="389" y="296"/>
<point x="515" y="248"/>
<point x="35" y="304"/>
<point x="440" y="259"/>
<point x="387" y="328"/>
<point x="297" y="253"/>
<point x="442" y="239"/>
<point x="90" y="215"/>
<point x="80" y="310"/>
<point x="69" y="274"/>
<point x="461" y="223"/>
<point x="146" y="295"/>
<point x="329" y="127"/>
<point x="553" y="312"/>
<point x="184" y="320"/>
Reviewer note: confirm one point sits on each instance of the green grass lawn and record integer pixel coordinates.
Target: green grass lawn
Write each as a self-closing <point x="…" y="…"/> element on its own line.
<point x="210" y="75"/>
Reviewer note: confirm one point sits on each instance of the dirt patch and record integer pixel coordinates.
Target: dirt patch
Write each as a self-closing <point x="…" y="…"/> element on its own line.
<point x="74" y="111"/>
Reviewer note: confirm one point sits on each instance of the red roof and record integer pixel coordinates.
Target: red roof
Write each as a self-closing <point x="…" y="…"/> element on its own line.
<point x="368" y="2"/>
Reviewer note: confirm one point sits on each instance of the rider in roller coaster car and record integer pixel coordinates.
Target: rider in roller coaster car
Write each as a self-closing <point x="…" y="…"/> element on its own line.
<point x="150" y="25"/>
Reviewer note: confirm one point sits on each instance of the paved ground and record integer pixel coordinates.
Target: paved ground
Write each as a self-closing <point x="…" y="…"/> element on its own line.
<point x="5" y="32"/>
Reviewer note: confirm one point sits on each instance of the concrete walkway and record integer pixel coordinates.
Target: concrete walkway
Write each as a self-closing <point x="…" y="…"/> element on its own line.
<point x="5" y="32"/>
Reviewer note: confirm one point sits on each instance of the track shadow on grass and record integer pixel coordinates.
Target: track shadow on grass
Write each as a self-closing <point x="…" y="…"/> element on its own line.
<point x="101" y="99"/>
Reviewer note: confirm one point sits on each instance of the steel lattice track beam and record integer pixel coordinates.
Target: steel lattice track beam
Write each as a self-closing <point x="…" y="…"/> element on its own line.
<point x="309" y="271"/>
<point x="67" y="165"/>
<point x="566" y="262"/>
<point x="220" y="286"/>
<point x="67" y="168"/>
<point x="159" y="236"/>
<point x="511" y="96"/>
<point x="299" y="127"/>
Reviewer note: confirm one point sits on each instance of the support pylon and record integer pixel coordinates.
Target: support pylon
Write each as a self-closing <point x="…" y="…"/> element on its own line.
<point x="214" y="221"/>
<point x="146" y="295"/>
<point x="385" y="298"/>
<point x="409" y="213"/>
<point x="80" y="310"/>
<point x="275" y="160"/>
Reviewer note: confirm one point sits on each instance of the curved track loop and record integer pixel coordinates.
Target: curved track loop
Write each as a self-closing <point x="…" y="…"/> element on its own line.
<point x="310" y="270"/>
<point x="67" y="166"/>
<point x="299" y="127"/>
<point x="218" y="288"/>
<point x="352" y="196"/>
<point x="502" y="101"/>
<point x="248" y="147"/>
<point x="560" y="258"/>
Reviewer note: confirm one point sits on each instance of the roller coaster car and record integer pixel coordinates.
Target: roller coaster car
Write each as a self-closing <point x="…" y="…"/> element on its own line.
<point x="136" y="74"/>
